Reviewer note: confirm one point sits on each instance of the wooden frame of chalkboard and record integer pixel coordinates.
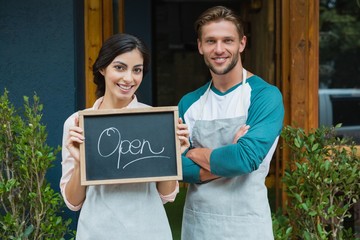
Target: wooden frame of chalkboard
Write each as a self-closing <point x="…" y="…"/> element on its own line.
<point x="129" y="145"/>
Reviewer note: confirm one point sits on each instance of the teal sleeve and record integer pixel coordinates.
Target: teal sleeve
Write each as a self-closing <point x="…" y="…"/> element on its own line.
<point x="191" y="171"/>
<point x="265" y="118"/>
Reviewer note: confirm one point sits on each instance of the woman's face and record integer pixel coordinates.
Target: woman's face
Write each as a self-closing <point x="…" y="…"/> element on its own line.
<point x="123" y="76"/>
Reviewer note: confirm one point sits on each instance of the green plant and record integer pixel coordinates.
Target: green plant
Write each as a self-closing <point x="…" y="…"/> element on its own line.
<point x="29" y="208"/>
<point x="281" y="226"/>
<point x="322" y="184"/>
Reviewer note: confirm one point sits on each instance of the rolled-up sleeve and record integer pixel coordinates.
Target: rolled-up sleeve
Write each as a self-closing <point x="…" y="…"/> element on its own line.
<point x="170" y="197"/>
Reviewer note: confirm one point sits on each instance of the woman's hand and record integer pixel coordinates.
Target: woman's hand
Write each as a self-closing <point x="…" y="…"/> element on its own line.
<point x="75" y="138"/>
<point x="74" y="191"/>
<point x="169" y="189"/>
<point x="183" y="135"/>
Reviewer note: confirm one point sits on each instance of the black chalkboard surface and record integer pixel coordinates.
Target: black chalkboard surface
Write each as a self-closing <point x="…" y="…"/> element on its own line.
<point x="129" y="145"/>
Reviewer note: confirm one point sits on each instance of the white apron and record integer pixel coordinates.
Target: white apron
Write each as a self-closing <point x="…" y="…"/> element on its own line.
<point x="227" y="208"/>
<point x="123" y="212"/>
<point x="131" y="211"/>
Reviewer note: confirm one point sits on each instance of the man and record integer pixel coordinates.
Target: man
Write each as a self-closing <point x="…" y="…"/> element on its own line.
<point x="227" y="196"/>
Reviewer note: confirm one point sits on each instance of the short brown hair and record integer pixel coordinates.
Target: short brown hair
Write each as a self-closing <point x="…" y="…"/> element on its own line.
<point x="216" y="14"/>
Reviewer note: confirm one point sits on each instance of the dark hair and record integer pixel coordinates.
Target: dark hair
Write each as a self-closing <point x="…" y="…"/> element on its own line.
<point x="216" y="14"/>
<point x="113" y="47"/>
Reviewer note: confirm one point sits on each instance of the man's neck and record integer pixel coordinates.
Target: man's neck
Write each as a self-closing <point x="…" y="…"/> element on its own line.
<point x="227" y="81"/>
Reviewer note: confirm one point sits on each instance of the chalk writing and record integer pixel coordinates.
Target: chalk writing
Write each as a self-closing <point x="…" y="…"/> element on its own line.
<point x="134" y="147"/>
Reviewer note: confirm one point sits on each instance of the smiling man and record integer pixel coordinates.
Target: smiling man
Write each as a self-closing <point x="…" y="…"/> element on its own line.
<point x="228" y="160"/>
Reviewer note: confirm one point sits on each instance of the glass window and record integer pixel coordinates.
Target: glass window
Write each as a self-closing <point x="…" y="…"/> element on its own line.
<point x="339" y="78"/>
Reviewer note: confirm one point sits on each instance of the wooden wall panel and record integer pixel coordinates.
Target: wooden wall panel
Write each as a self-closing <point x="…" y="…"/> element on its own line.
<point x="107" y="18"/>
<point x="121" y="15"/>
<point x="99" y="25"/>
<point x="304" y="68"/>
<point x="298" y="67"/>
<point x="313" y="55"/>
<point x="93" y="41"/>
<point x="300" y="61"/>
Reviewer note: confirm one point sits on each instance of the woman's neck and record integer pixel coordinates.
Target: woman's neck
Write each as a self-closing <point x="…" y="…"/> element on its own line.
<point x="114" y="103"/>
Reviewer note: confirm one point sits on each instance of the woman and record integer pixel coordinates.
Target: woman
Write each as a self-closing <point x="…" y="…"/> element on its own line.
<point x="118" y="211"/>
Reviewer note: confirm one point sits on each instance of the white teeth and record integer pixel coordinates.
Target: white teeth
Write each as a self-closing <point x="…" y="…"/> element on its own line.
<point x="219" y="60"/>
<point x="125" y="87"/>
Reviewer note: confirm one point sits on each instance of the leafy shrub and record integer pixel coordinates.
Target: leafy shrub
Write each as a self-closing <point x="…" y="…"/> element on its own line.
<point x="322" y="184"/>
<point x="29" y="207"/>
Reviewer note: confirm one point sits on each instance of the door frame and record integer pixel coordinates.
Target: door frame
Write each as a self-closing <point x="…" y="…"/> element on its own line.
<point x="296" y="62"/>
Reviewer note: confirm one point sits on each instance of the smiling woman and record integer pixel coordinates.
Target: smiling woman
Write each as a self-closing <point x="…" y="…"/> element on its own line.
<point x="118" y="72"/>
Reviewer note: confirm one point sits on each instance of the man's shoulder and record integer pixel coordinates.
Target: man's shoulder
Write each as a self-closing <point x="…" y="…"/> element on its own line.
<point x="258" y="83"/>
<point x="190" y="98"/>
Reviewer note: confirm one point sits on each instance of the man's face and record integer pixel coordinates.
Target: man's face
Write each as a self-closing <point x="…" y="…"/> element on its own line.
<point x="221" y="46"/>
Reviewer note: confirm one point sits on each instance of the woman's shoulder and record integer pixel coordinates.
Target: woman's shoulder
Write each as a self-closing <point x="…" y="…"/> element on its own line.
<point x="70" y="121"/>
<point x="141" y="105"/>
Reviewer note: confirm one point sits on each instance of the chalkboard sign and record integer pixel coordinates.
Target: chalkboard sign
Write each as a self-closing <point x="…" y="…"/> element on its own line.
<point x="129" y="145"/>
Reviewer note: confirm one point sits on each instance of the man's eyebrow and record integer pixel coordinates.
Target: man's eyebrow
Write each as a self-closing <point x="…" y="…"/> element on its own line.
<point x="223" y="37"/>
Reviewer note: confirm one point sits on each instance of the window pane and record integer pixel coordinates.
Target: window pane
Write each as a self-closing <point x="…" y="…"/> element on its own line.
<point x="339" y="90"/>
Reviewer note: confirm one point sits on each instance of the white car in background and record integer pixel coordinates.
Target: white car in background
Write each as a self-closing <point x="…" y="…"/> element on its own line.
<point x="341" y="106"/>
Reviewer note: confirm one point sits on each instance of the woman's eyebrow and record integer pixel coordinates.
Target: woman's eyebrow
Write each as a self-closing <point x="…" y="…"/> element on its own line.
<point x="119" y="62"/>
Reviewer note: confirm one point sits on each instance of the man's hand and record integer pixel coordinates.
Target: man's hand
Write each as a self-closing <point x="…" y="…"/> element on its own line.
<point x="241" y="132"/>
<point x="201" y="156"/>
